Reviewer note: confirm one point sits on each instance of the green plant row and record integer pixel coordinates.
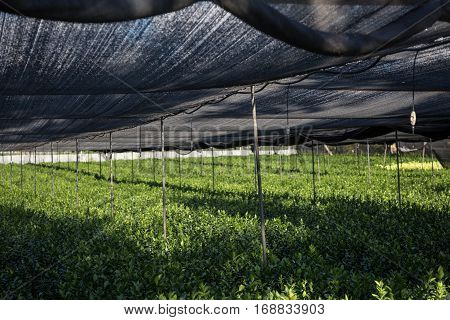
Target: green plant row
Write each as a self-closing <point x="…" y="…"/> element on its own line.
<point x="354" y="242"/>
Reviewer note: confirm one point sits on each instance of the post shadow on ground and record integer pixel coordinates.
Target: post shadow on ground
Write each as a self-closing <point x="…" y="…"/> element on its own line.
<point x="348" y="240"/>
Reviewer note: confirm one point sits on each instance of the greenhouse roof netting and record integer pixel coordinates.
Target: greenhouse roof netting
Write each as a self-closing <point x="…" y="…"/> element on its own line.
<point x="324" y="70"/>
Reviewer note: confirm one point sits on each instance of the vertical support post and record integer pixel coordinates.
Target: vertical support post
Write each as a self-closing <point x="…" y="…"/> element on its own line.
<point x="111" y="175"/>
<point x="88" y="156"/>
<point x="179" y="170"/>
<point x="140" y="149"/>
<point x="390" y="155"/>
<point x="10" y="169"/>
<point x="255" y="174"/>
<point x="179" y="177"/>
<point x="59" y="155"/>
<point x="132" y="166"/>
<point x="385" y="152"/>
<point x="358" y="156"/>
<point x="318" y="162"/>
<point x="53" y="170"/>
<point x="432" y="158"/>
<point x="116" y="174"/>
<point x="35" y="172"/>
<point x="163" y="181"/>
<point x="76" y="174"/>
<point x="21" y="170"/>
<point x="313" y="173"/>
<point x="201" y="163"/>
<point x="100" y="163"/>
<point x="154" y="169"/>
<point x="3" y="168"/>
<point x="423" y="156"/>
<point x="280" y="163"/>
<point x="213" y="171"/>
<point x="368" y="163"/>
<point x="398" y="170"/>
<point x="68" y="159"/>
<point x="258" y="173"/>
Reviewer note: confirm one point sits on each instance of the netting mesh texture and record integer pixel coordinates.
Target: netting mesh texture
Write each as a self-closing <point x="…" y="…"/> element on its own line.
<point x="63" y="80"/>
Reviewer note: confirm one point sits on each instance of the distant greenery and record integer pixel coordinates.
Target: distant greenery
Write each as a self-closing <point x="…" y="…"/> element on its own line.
<point x="353" y="243"/>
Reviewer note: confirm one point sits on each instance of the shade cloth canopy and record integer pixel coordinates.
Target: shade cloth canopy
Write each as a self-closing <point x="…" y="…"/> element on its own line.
<point x="324" y="70"/>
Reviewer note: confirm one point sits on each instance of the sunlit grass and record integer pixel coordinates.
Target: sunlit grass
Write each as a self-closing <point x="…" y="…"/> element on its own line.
<point x="415" y="165"/>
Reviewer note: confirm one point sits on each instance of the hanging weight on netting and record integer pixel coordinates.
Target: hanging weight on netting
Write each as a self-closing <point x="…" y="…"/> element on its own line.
<point x="413" y="119"/>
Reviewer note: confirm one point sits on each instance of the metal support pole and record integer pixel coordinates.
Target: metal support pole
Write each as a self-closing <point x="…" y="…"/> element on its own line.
<point x="358" y="156"/>
<point x="21" y="170"/>
<point x="213" y="171"/>
<point x="132" y="166"/>
<point x="432" y="158"/>
<point x="318" y="162"/>
<point x="423" y="156"/>
<point x="258" y="172"/>
<point x="280" y="164"/>
<point x="179" y="170"/>
<point x="385" y="152"/>
<point x="163" y="181"/>
<point x="53" y="170"/>
<point x="390" y="155"/>
<point x="201" y="163"/>
<point x="59" y="155"/>
<point x="76" y="168"/>
<point x="398" y="170"/>
<point x="111" y="175"/>
<point x="10" y="169"/>
<point x="100" y="163"/>
<point x="255" y="174"/>
<point x="35" y="172"/>
<point x="154" y="169"/>
<point x="88" y="164"/>
<point x="313" y="173"/>
<point x="368" y="163"/>
<point x="3" y="168"/>
<point x="116" y="174"/>
<point x="140" y="149"/>
<point x="68" y="159"/>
